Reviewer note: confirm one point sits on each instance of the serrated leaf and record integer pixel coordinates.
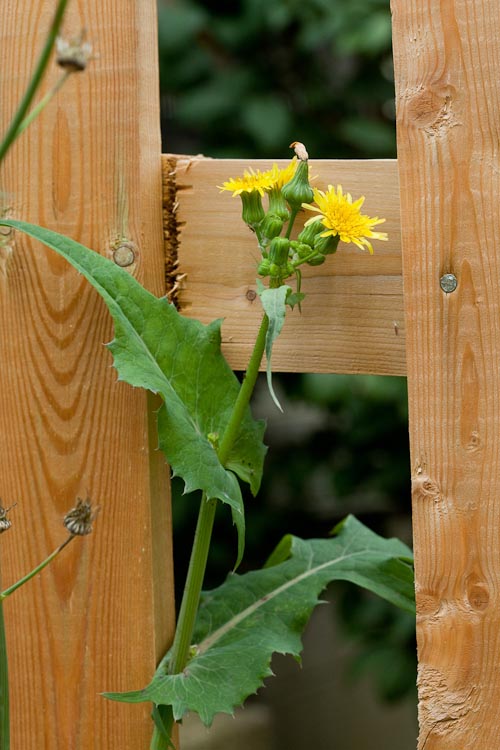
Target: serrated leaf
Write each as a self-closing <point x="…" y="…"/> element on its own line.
<point x="274" y="304"/>
<point x="247" y="619"/>
<point x="158" y="349"/>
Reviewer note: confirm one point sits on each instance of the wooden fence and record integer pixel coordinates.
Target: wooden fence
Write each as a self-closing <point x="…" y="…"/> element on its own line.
<point x="91" y="167"/>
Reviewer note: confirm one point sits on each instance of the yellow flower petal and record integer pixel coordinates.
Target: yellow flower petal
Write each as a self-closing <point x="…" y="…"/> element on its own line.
<point x="250" y="181"/>
<point x="341" y="216"/>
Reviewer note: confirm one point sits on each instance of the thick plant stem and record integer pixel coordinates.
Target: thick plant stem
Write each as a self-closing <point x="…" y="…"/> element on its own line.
<point x="194" y="582"/>
<point x="245" y="394"/>
<point x="13" y="129"/>
<point x="199" y="553"/>
<point x="4" y="688"/>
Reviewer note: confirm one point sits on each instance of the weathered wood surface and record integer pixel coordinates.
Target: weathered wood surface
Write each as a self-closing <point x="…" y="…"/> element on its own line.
<point x="89" y="167"/>
<point x="447" y="63"/>
<point x="352" y="320"/>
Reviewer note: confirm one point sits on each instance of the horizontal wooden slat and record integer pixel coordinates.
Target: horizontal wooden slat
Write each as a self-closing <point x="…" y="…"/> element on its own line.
<point x="352" y="320"/>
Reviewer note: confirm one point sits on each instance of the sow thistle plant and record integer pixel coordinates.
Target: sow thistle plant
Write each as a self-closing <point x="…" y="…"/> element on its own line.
<point x="225" y="638"/>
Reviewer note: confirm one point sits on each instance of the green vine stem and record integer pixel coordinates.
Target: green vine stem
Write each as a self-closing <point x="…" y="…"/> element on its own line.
<point x="14" y="128"/>
<point x="43" y="103"/>
<point x="10" y="590"/>
<point x="4" y="676"/>
<point x="4" y="687"/>
<point x="203" y="534"/>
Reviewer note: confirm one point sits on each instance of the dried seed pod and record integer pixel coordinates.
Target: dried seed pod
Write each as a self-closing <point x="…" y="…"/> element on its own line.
<point x="79" y="520"/>
<point x="4" y="521"/>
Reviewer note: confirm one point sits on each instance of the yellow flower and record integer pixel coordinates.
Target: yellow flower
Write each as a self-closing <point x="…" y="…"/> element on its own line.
<point x="342" y="217"/>
<point x="250" y="182"/>
<point x="281" y="176"/>
<point x="262" y="182"/>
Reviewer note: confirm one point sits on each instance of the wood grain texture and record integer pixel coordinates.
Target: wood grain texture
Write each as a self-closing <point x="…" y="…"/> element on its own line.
<point x="352" y="320"/>
<point x="89" y="167"/>
<point x="447" y="62"/>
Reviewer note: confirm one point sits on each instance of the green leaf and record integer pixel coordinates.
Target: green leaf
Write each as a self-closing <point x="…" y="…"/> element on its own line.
<point x="244" y="621"/>
<point x="158" y="349"/>
<point x="274" y="304"/>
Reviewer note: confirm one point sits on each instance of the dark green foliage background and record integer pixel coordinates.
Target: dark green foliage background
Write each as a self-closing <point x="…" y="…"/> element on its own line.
<point x="244" y="78"/>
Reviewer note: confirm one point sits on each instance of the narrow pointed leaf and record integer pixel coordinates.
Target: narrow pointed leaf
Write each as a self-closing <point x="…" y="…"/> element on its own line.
<point x="244" y="621"/>
<point x="273" y="302"/>
<point x="158" y="349"/>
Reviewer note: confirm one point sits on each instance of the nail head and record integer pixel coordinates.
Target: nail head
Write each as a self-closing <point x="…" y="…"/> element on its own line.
<point x="124" y="255"/>
<point x="448" y="282"/>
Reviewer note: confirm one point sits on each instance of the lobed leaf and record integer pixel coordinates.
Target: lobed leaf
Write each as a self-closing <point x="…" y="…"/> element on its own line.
<point x="251" y="616"/>
<point x="158" y="349"/>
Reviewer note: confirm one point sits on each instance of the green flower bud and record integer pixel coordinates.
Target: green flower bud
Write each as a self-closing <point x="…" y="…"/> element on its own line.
<point x="326" y="245"/>
<point x="274" y="270"/>
<point x="271" y="226"/>
<point x="277" y="204"/>
<point x="316" y="260"/>
<point x="253" y="211"/>
<point x="300" y="249"/>
<point x="264" y="268"/>
<point x="298" y="190"/>
<point x="311" y="231"/>
<point x="279" y="250"/>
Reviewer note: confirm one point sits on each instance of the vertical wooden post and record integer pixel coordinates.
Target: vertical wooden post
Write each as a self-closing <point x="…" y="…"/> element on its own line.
<point x="447" y="63"/>
<point x="89" y="167"/>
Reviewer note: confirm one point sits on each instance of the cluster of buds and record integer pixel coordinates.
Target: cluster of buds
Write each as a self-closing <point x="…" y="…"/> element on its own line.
<point x="336" y="216"/>
<point x="281" y="255"/>
<point x="287" y="190"/>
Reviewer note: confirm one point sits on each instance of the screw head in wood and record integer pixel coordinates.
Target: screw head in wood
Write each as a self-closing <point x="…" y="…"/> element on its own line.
<point x="448" y="283"/>
<point x="124" y="254"/>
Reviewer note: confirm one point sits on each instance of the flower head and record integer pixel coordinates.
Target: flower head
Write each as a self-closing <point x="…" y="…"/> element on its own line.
<point x="279" y="176"/>
<point x="5" y="523"/>
<point x="73" y="54"/>
<point x="79" y="519"/>
<point x="341" y="216"/>
<point x="250" y="182"/>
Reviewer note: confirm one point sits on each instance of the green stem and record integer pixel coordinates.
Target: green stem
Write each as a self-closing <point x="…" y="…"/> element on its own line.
<point x="43" y="103"/>
<point x="201" y="545"/>
<point x="4" y="677"/>
<point x="300" y="262"/>
<point x="13" y="129"/>
<point x="4" y="688"/>
<point x="194" y="582"/>
<point x="245" y="393"/>
<point x="34" y="572"/>
<point x="293" y="216"/>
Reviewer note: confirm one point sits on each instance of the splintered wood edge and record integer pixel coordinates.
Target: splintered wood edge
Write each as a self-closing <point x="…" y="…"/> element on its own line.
<point x="352" y="320"/>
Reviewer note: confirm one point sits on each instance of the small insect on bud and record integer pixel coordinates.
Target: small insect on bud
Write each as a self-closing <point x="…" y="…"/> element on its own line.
<point x="300" y="150"/>
<point x="79" y="520"/>
<point x="73" y="54"/>
<point x="4" y="521"/>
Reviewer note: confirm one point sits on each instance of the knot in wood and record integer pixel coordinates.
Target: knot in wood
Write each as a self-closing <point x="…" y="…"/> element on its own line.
<point x="477" y="594"/>
<point x="430" y="109"/>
